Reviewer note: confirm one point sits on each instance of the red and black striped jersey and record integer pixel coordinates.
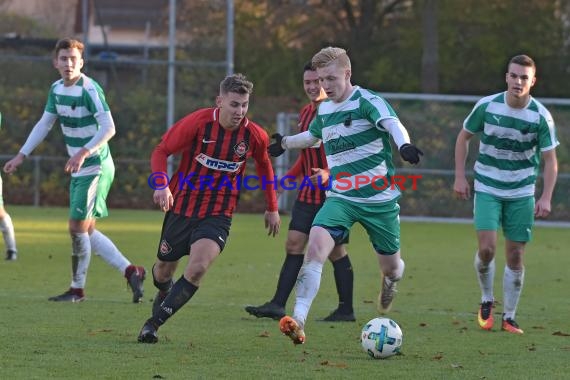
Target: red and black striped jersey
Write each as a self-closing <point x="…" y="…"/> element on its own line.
<point x="210" y="174"/>
<point x="309" y="158"/>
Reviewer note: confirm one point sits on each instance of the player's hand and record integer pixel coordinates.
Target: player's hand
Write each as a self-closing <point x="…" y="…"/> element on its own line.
<point x="11" y="166"/>
<point x="275" y="149"/>
<point x="320" y="176"/>
<point x="410" y="153"/>
<point x="74" y="163"/>
<point x="163" y="198"/>
<point x="542" y="208"/>
<point x="461" y="188"/>
<point x="272" y="222"/>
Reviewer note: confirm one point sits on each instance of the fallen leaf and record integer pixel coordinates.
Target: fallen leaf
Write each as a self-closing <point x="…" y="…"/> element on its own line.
<point x="337" y="365"/>
<point x="456" y="365"/>
<point x="264" y="334"/>
<point x="94" y="332"/>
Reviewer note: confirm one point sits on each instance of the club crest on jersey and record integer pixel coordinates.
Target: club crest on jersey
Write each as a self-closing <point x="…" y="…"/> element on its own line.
<point x="164" y="248"/>
<point x="217" y="164"/>
<point x="241" y="148"/>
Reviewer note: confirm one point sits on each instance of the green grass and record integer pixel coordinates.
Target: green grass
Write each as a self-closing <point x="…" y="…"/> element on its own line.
<point x="213" y="337"/>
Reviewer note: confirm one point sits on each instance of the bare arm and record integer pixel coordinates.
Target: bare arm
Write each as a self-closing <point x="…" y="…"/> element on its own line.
<point x="543" y="206"/>
<point x="461" y="186"/>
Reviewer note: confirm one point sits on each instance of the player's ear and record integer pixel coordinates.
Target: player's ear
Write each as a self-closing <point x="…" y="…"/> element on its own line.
<point x="218" y="101"/>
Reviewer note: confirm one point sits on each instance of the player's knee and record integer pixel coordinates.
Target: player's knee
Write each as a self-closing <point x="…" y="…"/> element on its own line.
<point x="337" y="253"/>
<point x="195" y="273"/>
<point x="294" y="247"/>
<point x="515" y="258"/>
<point x="487" y="252"/>
<point x="162" y="271"/>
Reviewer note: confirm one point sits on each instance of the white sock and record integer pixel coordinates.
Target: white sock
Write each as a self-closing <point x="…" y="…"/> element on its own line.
<point x="308" y="283"/>
<point x="512" y="286"/>
<point x="486" y="276"/>
<point x="80" y="258"/>
<point x="103" y="246"/>
<point x="7" y="229"/>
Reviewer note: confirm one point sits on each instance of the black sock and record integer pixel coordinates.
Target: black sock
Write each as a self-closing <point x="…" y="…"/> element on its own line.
<point x="344" y="278"/>
<point x="181" y="292"/>
<point x="287" y="278"/>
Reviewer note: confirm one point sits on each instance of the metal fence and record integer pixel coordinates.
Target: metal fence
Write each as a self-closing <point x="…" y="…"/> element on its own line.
<point x="433" y="124"/>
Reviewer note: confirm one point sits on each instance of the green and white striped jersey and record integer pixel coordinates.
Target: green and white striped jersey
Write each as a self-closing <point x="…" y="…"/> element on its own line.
<point x="510" y="146"/>
<point x="76" y="107"/>
<point x="357" y="147"/>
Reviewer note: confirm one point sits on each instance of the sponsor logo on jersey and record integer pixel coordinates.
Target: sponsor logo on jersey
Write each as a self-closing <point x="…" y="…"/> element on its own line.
<point x="331" y="134"/>
<point x="241" y="148"/>
<point x="341" y="145"/>
<point x="165" y="248"/>
<point x="217" y="164"/>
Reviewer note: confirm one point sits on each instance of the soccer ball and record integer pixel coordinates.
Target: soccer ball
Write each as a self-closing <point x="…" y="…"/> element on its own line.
<point x="381" y="338"/>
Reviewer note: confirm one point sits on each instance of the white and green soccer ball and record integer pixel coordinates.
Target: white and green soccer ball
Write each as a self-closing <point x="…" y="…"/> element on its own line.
<point x="381" y="338"/>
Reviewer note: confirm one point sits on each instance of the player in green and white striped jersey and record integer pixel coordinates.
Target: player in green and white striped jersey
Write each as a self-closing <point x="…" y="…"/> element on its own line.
<point x="355" y="126"/>
<point x="86" y="122"/>
<point x="516" y="130"/>
<point x="6" y="226"/>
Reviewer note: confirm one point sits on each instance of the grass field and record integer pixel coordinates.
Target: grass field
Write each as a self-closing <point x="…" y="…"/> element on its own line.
<point x="213" y="337"/>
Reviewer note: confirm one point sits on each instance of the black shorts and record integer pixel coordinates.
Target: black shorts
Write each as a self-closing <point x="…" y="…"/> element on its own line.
<point x="302" y="216"/>
<point x="179" y="232"/>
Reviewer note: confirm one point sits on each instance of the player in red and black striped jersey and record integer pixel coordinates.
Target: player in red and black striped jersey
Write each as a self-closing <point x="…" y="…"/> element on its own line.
<point x="203" y="193"/>
<point x="207" y="181"/>
<point x="310" y="165"/>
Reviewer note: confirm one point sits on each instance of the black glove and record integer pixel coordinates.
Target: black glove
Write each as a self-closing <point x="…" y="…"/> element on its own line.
<point x="275" y="149"/>
<point x="410" y="153"/>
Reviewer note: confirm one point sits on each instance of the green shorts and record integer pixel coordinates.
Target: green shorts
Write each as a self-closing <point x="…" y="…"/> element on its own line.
<point x="380" y="220"/>
<point x="88" y="194"/>
<point x="516" y="216"/>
